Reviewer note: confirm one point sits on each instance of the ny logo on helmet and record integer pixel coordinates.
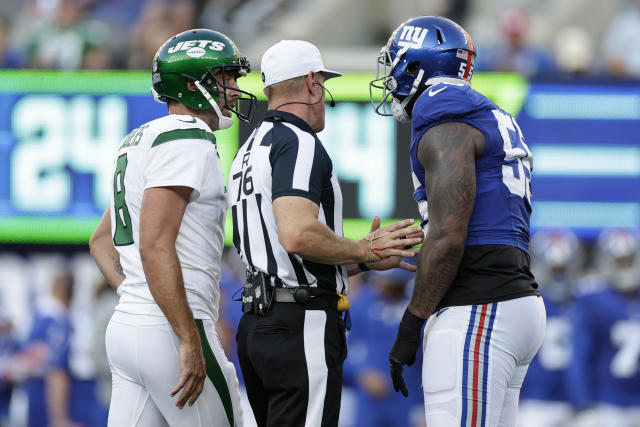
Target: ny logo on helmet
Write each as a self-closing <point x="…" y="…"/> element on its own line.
<point x="412" y="37"/>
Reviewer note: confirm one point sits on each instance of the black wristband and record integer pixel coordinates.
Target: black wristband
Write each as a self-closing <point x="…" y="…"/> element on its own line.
<point x="363" y="267"/>
<point x="411" y="323"/>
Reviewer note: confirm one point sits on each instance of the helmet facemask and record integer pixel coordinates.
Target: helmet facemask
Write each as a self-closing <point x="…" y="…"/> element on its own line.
<point x="213" y="84"/>
<point x="384" y="83"/>
<point x="388" y="84"/>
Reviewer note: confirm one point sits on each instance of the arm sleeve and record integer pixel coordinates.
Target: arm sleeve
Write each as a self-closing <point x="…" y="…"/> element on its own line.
<point x="178" y="163"/>
<point x="299" y="167"/>
<point x="58" y="340"/>
<point x="38" y="331"/>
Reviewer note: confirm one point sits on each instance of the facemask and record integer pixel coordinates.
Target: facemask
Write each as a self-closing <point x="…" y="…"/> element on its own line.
<point x="398" y="111"/>
<point x="224" y="122"/>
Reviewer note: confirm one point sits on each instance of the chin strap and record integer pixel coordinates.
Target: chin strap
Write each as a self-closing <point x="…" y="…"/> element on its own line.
<point x="224" y="122"/>
<point x="156" y="96"/>
<point x="414" y="89"/>
<point x="398" y="109"/>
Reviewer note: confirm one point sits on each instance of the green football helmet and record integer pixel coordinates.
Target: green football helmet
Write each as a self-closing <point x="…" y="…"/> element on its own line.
<point x="199" y="55"/>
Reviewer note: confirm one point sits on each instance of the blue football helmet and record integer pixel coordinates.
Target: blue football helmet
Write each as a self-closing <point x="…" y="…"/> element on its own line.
<point x="556" y="261"/>
<point x="618" y="257"/>
<point x="421" y="52"/>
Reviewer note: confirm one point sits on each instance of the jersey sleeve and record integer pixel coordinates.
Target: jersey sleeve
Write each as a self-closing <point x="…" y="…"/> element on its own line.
<point x="58" y="340"/>
<point x="299" y="167"/>
<point x="439" y="104"/>
<point x="180" y="162"/>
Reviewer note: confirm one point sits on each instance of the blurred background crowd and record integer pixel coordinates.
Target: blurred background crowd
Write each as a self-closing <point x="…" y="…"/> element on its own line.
<point x="574" y="37"/>
<point x="54" y="305"/>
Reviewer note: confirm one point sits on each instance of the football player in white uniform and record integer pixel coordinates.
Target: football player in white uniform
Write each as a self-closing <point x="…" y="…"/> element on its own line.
<point x="160" y="243"/>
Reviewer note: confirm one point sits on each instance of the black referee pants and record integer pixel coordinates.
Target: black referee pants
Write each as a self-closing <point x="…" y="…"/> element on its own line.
<point x="291" y="360"/>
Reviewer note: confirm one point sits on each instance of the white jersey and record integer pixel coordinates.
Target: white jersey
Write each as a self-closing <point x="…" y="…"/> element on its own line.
<point x="175" y="150"/>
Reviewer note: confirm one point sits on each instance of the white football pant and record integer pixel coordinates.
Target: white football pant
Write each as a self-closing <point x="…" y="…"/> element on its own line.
<point x="143" y="356"/>
<point x="475" y="360"/>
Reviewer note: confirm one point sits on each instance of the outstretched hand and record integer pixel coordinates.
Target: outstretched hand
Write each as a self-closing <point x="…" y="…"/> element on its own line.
<point x="408" y="237"/>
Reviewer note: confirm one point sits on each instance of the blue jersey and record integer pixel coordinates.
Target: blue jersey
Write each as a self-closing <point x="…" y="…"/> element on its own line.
<point x="547" y="374"/>
<point x="51" y="327"/>
<point x="606" y="349"/>
<point x="503" y="171"/>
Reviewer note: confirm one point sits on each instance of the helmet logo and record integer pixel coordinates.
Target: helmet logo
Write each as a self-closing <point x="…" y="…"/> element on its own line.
<point x="201" y="45"/>
<point x="412" y="37"/>
<point x="196" y="52"/>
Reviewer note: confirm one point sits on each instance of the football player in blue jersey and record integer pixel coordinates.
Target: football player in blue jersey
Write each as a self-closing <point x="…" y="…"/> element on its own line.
<point x="556" y="258"/>
<point x="605" y="371"/>
<point x="471" y="169"/>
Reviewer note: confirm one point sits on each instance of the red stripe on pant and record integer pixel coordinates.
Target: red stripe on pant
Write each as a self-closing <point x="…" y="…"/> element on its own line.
<point x="476" y="359"/>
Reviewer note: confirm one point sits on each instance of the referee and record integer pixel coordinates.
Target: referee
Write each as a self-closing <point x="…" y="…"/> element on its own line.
<point x="287" y="224"/>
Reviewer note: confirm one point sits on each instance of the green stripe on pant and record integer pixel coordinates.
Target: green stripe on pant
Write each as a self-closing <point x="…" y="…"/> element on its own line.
<point x="214" y="372"/>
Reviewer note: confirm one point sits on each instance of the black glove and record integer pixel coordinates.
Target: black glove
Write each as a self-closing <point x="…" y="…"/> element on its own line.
<point x="404" y="349"/>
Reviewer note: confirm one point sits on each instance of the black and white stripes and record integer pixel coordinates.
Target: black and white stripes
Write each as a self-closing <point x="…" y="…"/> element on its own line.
<point x="283" y="157"/>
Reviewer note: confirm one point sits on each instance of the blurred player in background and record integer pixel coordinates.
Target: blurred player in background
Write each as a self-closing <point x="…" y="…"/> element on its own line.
<point x="545" y="395"/>
<point x="376" y="320"/>
<point x="474" y="284"/>
<point x="166" y="221"/>
<point x="49" y="393"/>
<point x="8" y="347"/>
<point x="605" y="373"/>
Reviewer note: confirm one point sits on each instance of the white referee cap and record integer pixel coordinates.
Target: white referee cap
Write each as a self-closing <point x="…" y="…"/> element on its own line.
<point x="288" y="59"/>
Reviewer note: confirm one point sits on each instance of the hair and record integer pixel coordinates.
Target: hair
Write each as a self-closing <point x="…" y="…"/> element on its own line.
<point x="63" y="284"/>
<point x="286" y="88"/>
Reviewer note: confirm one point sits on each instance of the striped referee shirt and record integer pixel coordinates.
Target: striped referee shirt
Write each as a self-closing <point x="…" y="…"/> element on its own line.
<point x="283" y="157"/>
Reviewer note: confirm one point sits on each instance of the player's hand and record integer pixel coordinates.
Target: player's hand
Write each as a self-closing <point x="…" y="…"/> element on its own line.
<point x="404" y="349"/>
<point x="391" y="240"/>
<point x="374" y="382"/>
<point x="192" y="373"/>
<point x="396" y="261"/>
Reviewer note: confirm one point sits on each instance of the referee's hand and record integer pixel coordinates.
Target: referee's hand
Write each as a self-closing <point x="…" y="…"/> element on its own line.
<point x="393" y="240"/>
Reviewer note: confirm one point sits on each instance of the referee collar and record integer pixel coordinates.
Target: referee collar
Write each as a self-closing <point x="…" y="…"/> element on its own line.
<point x="284" y="116"/>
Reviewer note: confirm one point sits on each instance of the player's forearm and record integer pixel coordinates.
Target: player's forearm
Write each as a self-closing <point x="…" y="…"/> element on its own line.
<point x="108" y="261"/>
<point x="353" y="269"/>
<point x="57" y="396"/>
<point x="316" y="242"/>
<point x="164" y="277"/>
<point x="438" y="264"/>
<point x="104" y="253"/>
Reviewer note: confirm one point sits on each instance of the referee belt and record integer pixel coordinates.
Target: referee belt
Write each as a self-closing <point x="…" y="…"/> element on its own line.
<point x="300" y="294"/>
